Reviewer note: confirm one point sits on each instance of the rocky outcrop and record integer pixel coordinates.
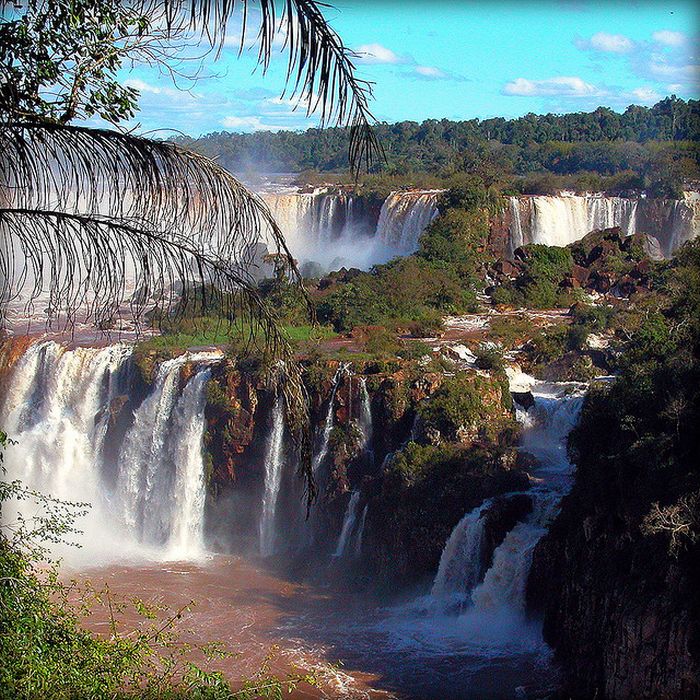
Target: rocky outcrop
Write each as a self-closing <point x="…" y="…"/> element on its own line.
<point x="620" y="593"/>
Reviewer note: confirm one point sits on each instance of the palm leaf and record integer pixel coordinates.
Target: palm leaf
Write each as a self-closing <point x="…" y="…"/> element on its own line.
<point x="89" y="216"/>
<point x="320" y="68"/>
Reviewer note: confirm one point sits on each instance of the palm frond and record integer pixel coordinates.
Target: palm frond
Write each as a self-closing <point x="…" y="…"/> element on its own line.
<point x="96" y="225"/>
<point x="320" y="69"/>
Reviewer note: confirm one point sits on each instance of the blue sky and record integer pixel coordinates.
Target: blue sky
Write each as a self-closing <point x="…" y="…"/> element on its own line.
<point x="455" y="59"/>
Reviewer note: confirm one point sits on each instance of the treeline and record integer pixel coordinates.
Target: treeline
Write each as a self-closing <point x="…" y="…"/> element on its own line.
<point x="602" y="143"/>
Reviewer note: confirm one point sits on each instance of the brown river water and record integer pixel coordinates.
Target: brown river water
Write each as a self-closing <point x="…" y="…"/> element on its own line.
<point x="357" y="645"/>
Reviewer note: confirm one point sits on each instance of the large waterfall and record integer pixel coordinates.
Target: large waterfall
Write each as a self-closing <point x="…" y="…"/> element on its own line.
<point x="147" y="495"/>
<point x="562" y="219"/>
<point x="338" y="229"/>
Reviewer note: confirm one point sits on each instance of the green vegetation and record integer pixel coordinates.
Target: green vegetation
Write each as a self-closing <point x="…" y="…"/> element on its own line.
<point x="538" y="286"/>
<point x="651" y="148"/>
<point x="47" y="654"/>
<point x="466" y="407"/>
<point x="643" y="427"/>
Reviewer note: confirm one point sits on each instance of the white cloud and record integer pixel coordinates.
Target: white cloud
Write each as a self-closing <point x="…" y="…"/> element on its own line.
<point x="376" y="53"/>
<point x="645" y="95"/>
<point x="253" y="123"/>
<point x="568" y="86"/>
<point x="669" y="38"/>
<point x="142" y="86"/>
<point x="610" y="43"/>
<point x="430" y="72"/>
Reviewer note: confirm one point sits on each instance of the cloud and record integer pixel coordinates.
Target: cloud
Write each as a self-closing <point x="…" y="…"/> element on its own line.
<point x="668" y="38"/>
<point x="567" y="86"/>
<point x="143" y="87"/>
<point x="645" y="95"/>
<point x="254" y="124"/>
<point x="376" y="53"/>
<point x="431" y="72"/>
<point x="607" y="43"/>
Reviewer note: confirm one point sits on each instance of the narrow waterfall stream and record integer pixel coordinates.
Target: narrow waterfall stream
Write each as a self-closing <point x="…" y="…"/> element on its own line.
<point x="322" y="452"/>
<point x="348" y="524"/>
<point x="273" y="478"/>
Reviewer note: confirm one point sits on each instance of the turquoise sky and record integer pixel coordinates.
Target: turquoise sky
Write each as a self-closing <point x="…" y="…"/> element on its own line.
<point x="457" y="59"/>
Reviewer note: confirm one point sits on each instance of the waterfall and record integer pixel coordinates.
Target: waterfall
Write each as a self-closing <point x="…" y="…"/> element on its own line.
<point x="502" y="591"/>
<point x="348" y="524"/>
<point x="273" y="479"/>
<point x="460" y="564"/>
<point x="336" y="229"/>
<point x="562" y="219"/>
<point x="361" y="532"/>
<point x="56" y="410"/>
<point x="546" y="428"/>
<point x="58" y="407"/>
<point x="365" y="416"/>
<point x="328" y="425"/>
<point x="404" y="216"/>
<point x="157" y="458"/>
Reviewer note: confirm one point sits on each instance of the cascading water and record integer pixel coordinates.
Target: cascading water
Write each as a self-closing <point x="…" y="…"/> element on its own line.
<point x="56" y="412"/>
<point x="157" y="458"/>
<point x="361" y="532"/>
<point x="58" y="409"/>
<point x="404" y="216"/>
<point x="460" y="564"/>
<point x="483" y="613"/>
<point x="348" y="524"/>
<point x="336" y="229"/>
<point x="565" y="218"/>
<point x="273" y="478"/>
<point x="365" y="416"/>
<point x="328" y="425"/>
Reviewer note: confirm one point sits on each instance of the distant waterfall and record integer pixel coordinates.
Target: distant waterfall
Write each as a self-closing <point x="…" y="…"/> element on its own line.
<point x="273" y="478"/>
<point x="58" y="408"/>
<point x="404" y="216"/>
<point x="348" y="524"/>
<point x="460" y="564"/>
<point x="562" y="219"/>
<point x="340" y="229"/>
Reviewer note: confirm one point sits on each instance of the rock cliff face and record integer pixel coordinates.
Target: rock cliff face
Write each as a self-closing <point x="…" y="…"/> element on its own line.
<point x="621" y="608"/>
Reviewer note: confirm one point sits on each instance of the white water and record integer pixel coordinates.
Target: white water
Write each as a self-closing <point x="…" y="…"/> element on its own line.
<point x="273" y="478"/>
<point x="361" y="532"/>
<point x="565" y="218"/>
<point x="365" y="415"/>
<point x="58" y="408"/>
<point x="348" y="524"/>
<point x="162" y="453"/>
<point x="330" y="414"/>
<point x="486" y="620"/>
<point x="55" y="411"/>
<point x="460" y="564"/>
<point x="334" y="230"/>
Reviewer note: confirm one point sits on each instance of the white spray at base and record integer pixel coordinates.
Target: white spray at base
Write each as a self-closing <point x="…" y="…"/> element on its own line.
<point x="58" y="408"/>
<point x="479" y="613"/>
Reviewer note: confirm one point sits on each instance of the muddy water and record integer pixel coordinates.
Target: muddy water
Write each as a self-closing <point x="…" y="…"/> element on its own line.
<point x="359" y="647"/>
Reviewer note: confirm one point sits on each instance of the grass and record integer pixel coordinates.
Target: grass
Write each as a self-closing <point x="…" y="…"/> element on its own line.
<point x="206" y="332"/>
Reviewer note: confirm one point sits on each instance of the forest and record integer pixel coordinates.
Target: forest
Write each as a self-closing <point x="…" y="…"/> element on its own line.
<point x="653" y="148"/>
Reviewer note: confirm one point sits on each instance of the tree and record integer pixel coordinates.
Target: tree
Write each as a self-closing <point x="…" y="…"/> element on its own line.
<point x="95" y="223"/>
